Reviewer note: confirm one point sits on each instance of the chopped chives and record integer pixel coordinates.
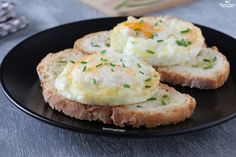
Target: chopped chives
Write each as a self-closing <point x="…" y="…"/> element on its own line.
<point x="62" y="61"/>
<point x="141" y="72"/>
<point x="214" y="59"/>
<point x="72" y="62"/>
<point x="163" y="102"/>
<point x="103" y="51"/>
<point x="206" y="60"/>
<point x="160" y="41"/>
<point x="185" y="31"/>
<point x="183" y="42"/>
<point x="123" y="65"/>
<point x="126" y="85"/>
<point x="139" y="65"/>
<point x="165" y="96"/>
<point x="150" y="51"/>
<point x="152" y="98"/>
<point x="95" y="45"/>
<point x="94" y="81"/>
<point x="147" y="86"/>
<point x="98" y="65"/>
<point x="148" y="79"/>
<point x="104" y="59"/>
<point x="84" y="69"/>
<point x="83" y="62"/>
<point x="207" y="67"/>
<point x="113" y="65"/>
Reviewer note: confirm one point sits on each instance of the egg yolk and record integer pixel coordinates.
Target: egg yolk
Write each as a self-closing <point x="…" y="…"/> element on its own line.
<point x="140" y="26"/>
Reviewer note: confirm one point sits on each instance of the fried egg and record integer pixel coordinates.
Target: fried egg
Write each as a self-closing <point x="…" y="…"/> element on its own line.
<point x="108" y="79"/>
<point x="159" y="41"/>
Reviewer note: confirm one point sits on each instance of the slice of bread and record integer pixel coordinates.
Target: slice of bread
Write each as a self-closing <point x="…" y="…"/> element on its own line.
<point x="169" y="106"/>
<point x="198" y="73"/>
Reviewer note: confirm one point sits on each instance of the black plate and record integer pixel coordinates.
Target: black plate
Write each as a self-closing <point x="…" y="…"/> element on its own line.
<point x="21" y="84"/>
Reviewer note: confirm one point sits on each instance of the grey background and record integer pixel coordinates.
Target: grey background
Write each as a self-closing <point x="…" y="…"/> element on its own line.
<point x="22" y="135"/>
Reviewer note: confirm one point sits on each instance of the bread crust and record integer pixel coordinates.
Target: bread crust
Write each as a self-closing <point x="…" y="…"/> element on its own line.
<point x="118" y="115"/>
<point x="78" y="42"/>
<point x="213" y="82"/>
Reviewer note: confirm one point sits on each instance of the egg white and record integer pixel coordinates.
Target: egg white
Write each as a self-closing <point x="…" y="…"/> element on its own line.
<point x="108" y="79"/>
<point x="166" y="31"/>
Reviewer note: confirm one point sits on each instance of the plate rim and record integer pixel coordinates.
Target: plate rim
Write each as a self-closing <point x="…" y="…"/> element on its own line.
<point x="101" y="132"/>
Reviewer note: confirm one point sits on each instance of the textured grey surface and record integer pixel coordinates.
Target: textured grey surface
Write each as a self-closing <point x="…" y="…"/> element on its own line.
<point x="22" y="135"/>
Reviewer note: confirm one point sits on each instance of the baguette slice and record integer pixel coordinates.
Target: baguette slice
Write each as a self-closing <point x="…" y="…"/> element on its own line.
<point x="192" y="74"/>
<point x="175" y="108"/>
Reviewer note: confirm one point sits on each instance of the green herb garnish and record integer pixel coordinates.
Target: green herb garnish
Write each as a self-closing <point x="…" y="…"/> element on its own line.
<point x="141" y="72"/>
<point x="113" y="65"/>
<point x="141" y="21"/>
<point x="123" y="65"/>
<point x="152" y="98"/>
<point x="98" y="65"/>
<point x="138" y="106"/>
<point x="150" y="51"/>
<point x="214" y="59"/>
<point x="163" y="102"/>
<point x="185" y="31"/>
<point x="83" y="62"/>
<point x="147" y="86"/>
<point x="160" y="41"/>
<point x="183" y="42"/>
<point x="107" y="42"/>
<point x="121" y="59"/>
<point x="62" y="62"/>
<point x="104" y="60"/>
<point x="84" y="69"/>
<point x="72" y="62"/>
<point x="148" y="79"/>
<point x="94" y="81"/>
<point x="206" y="60"/>
<point x="207" y="67"/>
<point x="139" y="65"/>
<point x="112" y="69"/>
<point x="103" y="51"/>
<point x="95" y="45"/>
<point x="126" y="85"/>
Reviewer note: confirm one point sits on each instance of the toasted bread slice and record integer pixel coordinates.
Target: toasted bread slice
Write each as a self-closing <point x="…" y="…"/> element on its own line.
<point x="169" y="107"/>
<point x="198" y="73"/>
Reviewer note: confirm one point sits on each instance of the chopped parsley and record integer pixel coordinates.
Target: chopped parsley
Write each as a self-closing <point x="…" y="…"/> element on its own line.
<point x="152" y="98"/>
<point x="103" y="51"/>
<point x="95" y="45"/>
<point x="126" y="85"/>
<point x="151" y="52"/>
<point x="183" y="42"/>
<point x="185" y="31"/>
<point x="84" y="69"/>
<point x="139" y="65"/>
<point x="83" y="62"/>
